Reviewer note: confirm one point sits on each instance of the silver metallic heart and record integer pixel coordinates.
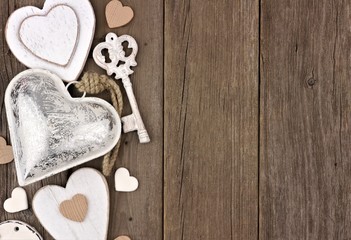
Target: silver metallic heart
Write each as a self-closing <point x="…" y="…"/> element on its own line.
<point x="51" y="131"/>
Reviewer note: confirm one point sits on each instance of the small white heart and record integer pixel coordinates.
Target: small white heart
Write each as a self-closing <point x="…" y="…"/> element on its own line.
<point x="124" y="182"/>
<point x="18" y="201"/>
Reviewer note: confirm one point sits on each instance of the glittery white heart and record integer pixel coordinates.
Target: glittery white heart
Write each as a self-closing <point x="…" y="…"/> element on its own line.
<point x="17" y="202"/>
<point x="88" y="182"/>
<point x="124" y="182"/>
<point x="58" y="31"/>
<point x="51" y="131"/>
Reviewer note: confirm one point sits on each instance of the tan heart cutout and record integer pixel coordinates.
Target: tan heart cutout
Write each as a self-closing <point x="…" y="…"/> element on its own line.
<point x="75" y="209"/>
<point x="6" y="153"/>
<point x="117" y="15"/>
<point x="123" y="238"/>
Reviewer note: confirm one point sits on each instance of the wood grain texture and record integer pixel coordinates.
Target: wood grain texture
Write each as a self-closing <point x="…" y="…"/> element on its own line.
<point x="211" y="116"/>
<point x="139" y="214"/>
<point x="305" y="114"/>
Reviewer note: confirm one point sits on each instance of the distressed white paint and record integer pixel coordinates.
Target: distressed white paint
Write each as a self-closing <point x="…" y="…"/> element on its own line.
<point x="17" y="202"/>
<point x="17" y="230"/>
<point x="51" y="131"/>
<point x="124" y="182"/>
<point x="93" y="186"/>
<point x="86" y="28"/>
<point x="52" y="37"/>
<point x="114" y="46"/>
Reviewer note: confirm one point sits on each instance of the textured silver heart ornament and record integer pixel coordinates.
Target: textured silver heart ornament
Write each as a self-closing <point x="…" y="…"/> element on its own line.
<point x="51" y="131"/>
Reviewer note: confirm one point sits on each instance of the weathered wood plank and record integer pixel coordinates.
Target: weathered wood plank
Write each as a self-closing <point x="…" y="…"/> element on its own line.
<point x="305" y="111"/>
<point x="211" y="118"/>
<point x="137" y="214"/>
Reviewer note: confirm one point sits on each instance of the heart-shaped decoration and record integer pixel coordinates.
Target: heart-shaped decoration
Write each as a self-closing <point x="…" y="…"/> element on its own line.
<point x="75" y="209"/>
<point x="57" y="38"/>
<point x="17" y="202"/>
<point x="118" y="15"/>
<point x="51" y="39"/>
<point x="88" y="182"/>
<point x="124" y="182"/>
<point x="51" y="131"/>
<point x="17" y="230"/>
<point x="6" y="154"/>
<point x="123" y="238"/>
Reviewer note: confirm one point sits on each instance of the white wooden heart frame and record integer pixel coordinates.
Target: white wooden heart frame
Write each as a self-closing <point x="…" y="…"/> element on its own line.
<point x="88" y="182"/>
<point x="86" y="28"/>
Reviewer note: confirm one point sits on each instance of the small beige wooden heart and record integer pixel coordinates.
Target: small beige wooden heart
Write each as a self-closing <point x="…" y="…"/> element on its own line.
<point x="6" y="153"/>
<point x="123" y="238"/>
<point x="75" y="209"/>
<point x="117" y="15"/>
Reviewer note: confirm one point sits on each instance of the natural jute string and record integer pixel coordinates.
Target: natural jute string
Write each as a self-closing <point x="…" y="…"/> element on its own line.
<point x="93" y="83"/>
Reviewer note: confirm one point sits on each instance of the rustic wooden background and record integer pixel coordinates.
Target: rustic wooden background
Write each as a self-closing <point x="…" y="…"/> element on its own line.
<point x="248" y="105"/>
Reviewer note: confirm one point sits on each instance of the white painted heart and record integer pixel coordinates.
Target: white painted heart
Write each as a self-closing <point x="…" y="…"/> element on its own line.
<point x="50" y="39"/>
<point x="124" y="182"/>
<point x="17" y="230"/>
<point x="93" y="186"/>
<point x="51" y="131"/>
<point x="18" y="201"/>
<point x="56" y="38"/>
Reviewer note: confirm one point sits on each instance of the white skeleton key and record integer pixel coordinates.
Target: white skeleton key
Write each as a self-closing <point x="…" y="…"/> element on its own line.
<point x="116" y="53"/>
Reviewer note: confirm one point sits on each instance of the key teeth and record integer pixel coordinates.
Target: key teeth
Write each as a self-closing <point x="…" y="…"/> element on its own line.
<point x="144" y="137"/>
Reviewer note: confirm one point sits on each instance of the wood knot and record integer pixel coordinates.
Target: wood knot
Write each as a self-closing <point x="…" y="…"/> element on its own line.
<point x="311" y="82"/>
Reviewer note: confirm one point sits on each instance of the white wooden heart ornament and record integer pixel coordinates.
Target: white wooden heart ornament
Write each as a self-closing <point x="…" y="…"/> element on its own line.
<point x="56" y="38"/>
<point x="51" y="131"/>
<point x="88" y="182"/>
<point x="17" y="202"/>
<point x="17" y="230"/>
<point x="124" y="182"/>
<point x="50" y="39"/>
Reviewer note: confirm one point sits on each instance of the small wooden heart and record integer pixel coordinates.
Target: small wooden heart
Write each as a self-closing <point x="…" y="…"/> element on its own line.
<point x="123" y="238"/>
<point x="118" y="15"/>
<point x="6" y="153"/>
<point x="75" y="209"/>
